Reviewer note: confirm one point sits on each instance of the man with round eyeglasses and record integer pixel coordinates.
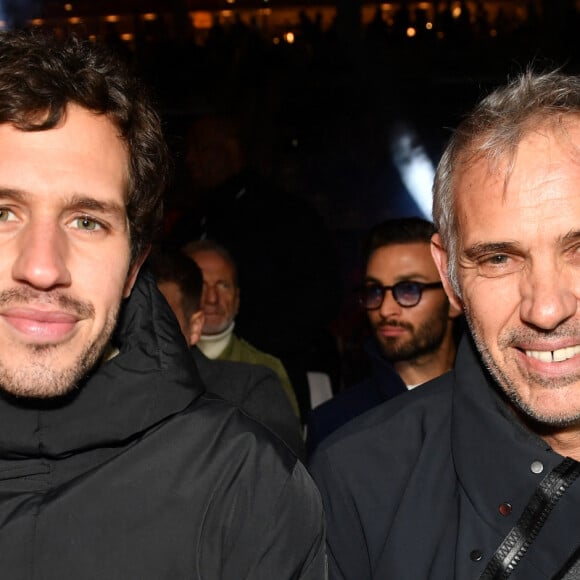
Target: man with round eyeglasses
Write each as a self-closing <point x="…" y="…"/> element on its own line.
<point x="411" y="319"/>
<point x="406" y="293"/>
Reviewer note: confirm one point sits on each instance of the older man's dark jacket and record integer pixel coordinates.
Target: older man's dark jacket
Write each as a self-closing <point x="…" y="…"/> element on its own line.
<point x="429" y="485"/>
<point x="140" y="475"/>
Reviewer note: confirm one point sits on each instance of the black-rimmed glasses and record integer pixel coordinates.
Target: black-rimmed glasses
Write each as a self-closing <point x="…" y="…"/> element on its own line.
<point x="406" y="293"/>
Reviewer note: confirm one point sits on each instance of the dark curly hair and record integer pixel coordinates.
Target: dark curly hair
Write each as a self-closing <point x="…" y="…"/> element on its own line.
<point x="40" y="75"/>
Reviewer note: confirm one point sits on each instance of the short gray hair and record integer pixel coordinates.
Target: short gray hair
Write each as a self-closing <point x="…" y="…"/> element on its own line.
<point x="493" y="131"/>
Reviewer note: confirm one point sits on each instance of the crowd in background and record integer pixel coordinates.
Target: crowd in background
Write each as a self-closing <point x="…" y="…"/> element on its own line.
<point x="314" y="116"/>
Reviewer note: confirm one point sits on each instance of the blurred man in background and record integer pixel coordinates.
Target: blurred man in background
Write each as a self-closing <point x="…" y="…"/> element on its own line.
<point x="412" y="321"/>
<point x="284" y="254"/>
<point x="220" y="302"/>
<point x="255" y="388"/>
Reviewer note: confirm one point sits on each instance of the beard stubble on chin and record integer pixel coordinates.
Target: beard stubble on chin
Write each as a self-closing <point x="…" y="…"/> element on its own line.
<point x="509" y="339"/>
<point x="41" y="376"/>
<point x="424" y="339"/>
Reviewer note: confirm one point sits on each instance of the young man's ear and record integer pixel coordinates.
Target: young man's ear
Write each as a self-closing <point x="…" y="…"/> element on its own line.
<point x="441" y="259"/>
<point x="195" y="327"/>
<point x="133" y="271"/>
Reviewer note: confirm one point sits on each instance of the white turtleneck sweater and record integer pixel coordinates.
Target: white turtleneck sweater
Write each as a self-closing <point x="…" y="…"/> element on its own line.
<point x="212" y="345"/>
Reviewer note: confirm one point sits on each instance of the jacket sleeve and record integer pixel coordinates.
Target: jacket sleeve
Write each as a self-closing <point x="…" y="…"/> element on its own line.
<point x="266" y="401"/>
<point x="346" y="547"/>
<point x="267" y="524"/>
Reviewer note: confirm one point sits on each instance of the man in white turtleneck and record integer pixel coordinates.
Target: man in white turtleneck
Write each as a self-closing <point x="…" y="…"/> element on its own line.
<point x="220" y="303"/>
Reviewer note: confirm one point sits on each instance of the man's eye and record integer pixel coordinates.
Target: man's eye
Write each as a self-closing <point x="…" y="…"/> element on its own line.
<point x="86" y="223"/>
<point x="373" y="290"/>
<point x="497" y="260"/>
<point x="6" y="215"/>
<point x="499" y="265"/>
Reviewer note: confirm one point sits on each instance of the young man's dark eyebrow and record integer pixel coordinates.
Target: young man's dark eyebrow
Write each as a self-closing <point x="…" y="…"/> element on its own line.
<point x="411" y="276"/>
<point x="373" y="280"/>
<point x="74" y="202"/>
<point x="572" y="236"/>
<point x="86" y="203"/>
<point x="10" y="193"/>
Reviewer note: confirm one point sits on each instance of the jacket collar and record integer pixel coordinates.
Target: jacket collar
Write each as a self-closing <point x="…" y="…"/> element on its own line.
<point x="492" y="449"/>
<point x="151" y="378"/>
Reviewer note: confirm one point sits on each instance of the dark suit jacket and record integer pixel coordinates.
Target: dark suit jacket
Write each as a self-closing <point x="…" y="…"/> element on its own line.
<point x="382" y="383"/>
<point x="256" y="390"/>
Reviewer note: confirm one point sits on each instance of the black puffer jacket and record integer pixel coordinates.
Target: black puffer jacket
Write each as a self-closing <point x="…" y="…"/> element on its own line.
<point x="140" y="475"/>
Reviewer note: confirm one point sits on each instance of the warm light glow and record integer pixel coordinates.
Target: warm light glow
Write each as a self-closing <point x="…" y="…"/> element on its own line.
<point x="456" y="12"/>
<point x="149" y="16"/>
<point x="440" y="35"/>
<point x="386" y="6"/>
<point x="2" y="24"/>
<point x="202" y="20"/>
<point x="127" y="36"/>
<point x="424" y="5"/>
<point x="429" y="25"/>
<point x="92" y="38"/>
<point x="68" y="7"/>
<point x="37" y="22"/>
<point x="493" y="32"/>
<point x="289" y="37"/>
<point x="74" y="20"/>
<point x="231" y="1"/>
<point x="411" y="32"/>
<point x="226" y="13"/>
<point x="112" y="18"/>
<point x="276" y="40"/>
<point x="265" y="11"/>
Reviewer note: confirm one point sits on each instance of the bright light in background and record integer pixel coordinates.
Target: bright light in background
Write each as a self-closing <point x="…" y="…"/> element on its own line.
<point x="414" y="166"/>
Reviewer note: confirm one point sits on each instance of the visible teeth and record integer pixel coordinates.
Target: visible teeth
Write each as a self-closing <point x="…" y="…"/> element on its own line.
<point x="542" y="355"/>
<point x="554" y="355"/>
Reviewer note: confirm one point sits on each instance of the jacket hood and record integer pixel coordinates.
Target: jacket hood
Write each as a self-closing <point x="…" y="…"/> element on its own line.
<point x="152" y="378"/>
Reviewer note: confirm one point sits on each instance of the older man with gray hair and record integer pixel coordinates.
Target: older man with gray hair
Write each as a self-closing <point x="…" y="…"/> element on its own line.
<point x="475" y="474"/>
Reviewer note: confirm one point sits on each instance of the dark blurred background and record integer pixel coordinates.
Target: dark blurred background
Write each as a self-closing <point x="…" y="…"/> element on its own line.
<point x="340" y="95"/>
<point x="344" y="103"/>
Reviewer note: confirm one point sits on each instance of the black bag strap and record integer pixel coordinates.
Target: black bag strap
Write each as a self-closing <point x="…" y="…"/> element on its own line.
<point x="516" y="543"/>
<point x="571" y="569"/>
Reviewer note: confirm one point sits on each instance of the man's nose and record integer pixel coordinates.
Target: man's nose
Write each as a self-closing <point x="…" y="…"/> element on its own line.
<point x="389" y="306"/>
<point x="41" y="257"/>
<point x="548" y="296"/>
<point x="210" y="295"/>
